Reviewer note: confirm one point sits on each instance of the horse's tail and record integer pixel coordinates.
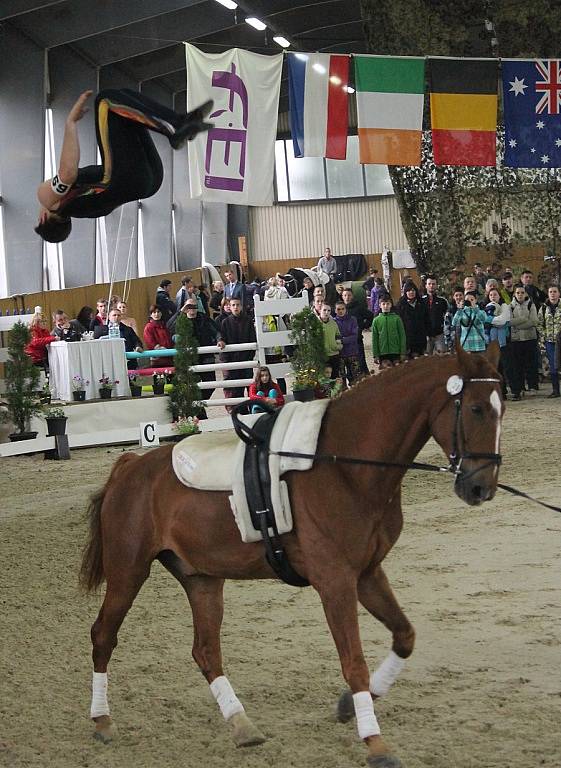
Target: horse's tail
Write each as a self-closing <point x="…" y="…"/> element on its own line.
<point x="91" y="570"/>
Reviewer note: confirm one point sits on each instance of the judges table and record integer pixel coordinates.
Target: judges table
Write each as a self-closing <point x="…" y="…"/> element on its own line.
<point x="91" y="360"/>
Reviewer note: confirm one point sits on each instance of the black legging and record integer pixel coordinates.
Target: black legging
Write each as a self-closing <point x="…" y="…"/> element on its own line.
<point x="131" y="166"/>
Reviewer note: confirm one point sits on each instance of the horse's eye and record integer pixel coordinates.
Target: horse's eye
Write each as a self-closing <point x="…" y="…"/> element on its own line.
<point x="477" y="409"/>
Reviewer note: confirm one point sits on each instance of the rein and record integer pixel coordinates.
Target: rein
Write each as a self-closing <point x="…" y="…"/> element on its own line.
<point x="334" y="459"/>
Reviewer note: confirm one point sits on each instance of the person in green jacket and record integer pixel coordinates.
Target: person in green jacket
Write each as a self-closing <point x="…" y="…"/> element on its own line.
<point x="388" y="335"/>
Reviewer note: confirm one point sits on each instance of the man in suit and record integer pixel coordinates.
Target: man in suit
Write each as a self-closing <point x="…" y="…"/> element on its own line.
<point x="233" y="289"/>
<point x="116" y="329"/>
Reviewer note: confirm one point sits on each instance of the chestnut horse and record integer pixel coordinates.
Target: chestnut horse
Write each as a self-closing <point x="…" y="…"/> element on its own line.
<point x="346" y="519"/>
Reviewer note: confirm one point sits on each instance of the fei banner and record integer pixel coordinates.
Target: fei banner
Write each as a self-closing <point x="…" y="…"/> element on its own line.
<point x="234" y="161"/>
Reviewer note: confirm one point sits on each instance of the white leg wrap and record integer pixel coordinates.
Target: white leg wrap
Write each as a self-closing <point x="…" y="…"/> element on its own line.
<point x="225" y="697"/>
<point x="365" y="718"/>
<point x="100" y="705"/>
<point x="387" y="673"/>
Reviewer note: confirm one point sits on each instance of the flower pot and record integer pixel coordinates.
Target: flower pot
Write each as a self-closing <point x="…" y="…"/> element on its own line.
<point x="79" y="395"/>
<point x="136" y="390"/>
<point x="158" y="389"/>
<point x="303" y="395"/>
<point x="16" y="437"/>
<point x="105" y="393"/>
<point x="56" y="425"/>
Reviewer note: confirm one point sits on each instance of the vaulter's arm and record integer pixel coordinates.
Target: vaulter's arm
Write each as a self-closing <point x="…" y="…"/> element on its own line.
<point x="50" y="192"/>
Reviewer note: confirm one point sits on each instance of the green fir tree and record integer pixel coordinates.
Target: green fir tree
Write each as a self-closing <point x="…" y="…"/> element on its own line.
<point x="22" y="380"/>
<point x="309" y="359"/>
<point x="184" y="401"/>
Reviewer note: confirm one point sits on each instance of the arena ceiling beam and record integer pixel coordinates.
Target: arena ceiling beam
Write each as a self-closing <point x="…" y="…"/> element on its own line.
<point x="76" y="20"/>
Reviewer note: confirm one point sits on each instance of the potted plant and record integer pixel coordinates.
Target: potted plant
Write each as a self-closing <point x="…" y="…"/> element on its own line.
<point x="187" y="425"/>
<point x="309" y="359"/>
<point x="106" y="387"/>
<point x="22" y="380"/>
<point x="135" y="387"/>
<point x="79" y="385"/>
<point x="56" y="421"/>
<point x="158" y="383"/>
<point x="185" y="397"/>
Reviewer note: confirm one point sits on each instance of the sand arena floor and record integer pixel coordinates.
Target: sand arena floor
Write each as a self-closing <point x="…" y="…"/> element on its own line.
<point x="482" y="586"/>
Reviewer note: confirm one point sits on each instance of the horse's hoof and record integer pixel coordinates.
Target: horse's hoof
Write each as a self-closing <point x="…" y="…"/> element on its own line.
<point x="103" y="729"/>
<point x="345" y="707"/>
<point x="246" y="734"/>
<point x="383" y="761"/>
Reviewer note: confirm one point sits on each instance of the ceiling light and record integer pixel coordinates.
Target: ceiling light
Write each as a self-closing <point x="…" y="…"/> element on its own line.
<point x="230" y="4"/>
<point x="319" y="68"/>
<point x="349" y="89"/>
<point x="257" y="23"/>
<point x="282" y="41"/>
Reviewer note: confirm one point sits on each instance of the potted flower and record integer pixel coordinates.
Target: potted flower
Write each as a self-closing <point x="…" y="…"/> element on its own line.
<point x="187" y="425"/>
<point x="56" y="421"/>
<point x="22" y="379"/>
<point x="158" y="383"/>
<point x="79" y="385"/>
<point x="308" y="360"/>
<point x="106" y="387"/>
<point x="135" y="387"/>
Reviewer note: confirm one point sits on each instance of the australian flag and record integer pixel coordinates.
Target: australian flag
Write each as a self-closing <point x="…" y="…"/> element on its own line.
<point x="532" y="113"/>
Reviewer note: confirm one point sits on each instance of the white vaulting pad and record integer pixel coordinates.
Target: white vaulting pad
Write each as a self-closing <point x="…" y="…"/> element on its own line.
<point x="213" y="461"/>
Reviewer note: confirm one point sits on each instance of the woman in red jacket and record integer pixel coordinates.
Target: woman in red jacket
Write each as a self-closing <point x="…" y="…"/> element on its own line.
<point x="265" y="390"/>
<point x="40" y="339"/>
<point x="157" y="336"/>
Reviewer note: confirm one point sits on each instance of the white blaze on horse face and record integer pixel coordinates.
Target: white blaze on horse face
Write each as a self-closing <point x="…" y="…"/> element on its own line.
<point x="495" y="401"/>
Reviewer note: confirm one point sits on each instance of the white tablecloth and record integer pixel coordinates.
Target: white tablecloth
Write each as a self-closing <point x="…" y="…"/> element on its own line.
<point x="91" y="360"/>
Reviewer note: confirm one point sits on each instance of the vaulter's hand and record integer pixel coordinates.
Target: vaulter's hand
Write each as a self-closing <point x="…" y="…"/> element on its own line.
<point x="79" y="109"/>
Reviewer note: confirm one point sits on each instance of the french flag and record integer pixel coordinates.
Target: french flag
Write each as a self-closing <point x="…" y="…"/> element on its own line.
<point x="318" y="99"/>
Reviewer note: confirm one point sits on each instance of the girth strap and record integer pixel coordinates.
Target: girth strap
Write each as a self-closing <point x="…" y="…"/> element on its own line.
<point x="257" y="479"/>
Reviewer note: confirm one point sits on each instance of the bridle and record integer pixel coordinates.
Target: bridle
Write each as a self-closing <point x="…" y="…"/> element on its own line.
<point x="457" y="455"/>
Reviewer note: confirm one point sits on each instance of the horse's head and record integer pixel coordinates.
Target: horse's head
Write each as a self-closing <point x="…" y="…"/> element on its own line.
<point x="468" y="426"/>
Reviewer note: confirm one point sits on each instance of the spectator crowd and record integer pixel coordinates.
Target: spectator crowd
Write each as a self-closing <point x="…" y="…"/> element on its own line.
<point x="487" y="306"/>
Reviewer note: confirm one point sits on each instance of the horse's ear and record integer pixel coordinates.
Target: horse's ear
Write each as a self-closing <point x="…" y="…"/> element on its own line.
<point x="493" y="354"/>
<point x="462" y="355"/>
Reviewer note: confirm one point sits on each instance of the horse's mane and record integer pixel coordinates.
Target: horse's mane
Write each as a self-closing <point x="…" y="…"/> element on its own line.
<point x="384" y="382"/>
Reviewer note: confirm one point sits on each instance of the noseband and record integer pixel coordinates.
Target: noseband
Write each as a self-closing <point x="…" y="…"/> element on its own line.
<point x="455" y="386"/>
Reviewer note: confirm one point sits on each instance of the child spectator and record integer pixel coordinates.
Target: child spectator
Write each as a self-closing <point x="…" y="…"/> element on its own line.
<point x="414" y="315"/>
<point x="549" y="327"/>
<point x="265" y="389"/>
<point x="388" y="335"/>
<point x="332" y="343"/>
<point x="471" y="321"/>
<point x="450" y="331"/>
<point x="348" y="328"/>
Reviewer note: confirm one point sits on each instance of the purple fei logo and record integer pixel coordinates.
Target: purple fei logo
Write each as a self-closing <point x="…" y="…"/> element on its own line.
<point x="232" y="139"/>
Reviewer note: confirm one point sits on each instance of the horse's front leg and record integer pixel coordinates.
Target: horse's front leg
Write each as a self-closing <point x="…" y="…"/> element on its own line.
<point x="376" y="595"/>
<point x="205" y="594"/>
<point x="339" y="600"/>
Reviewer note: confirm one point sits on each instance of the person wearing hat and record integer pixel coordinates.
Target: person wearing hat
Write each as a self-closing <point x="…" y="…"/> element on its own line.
<point x="507" y="288"/>
<point x="163" y="301"/>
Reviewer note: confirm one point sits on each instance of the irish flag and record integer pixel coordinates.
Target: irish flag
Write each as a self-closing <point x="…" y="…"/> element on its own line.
<point x="390" y="94"/>
<point x="318" y="100"/>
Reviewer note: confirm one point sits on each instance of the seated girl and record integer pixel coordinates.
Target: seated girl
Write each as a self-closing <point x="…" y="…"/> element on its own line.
<point x="265" y="390"/>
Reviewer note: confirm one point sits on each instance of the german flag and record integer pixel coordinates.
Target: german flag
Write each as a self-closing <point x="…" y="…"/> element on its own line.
<point x="463" y="107"/>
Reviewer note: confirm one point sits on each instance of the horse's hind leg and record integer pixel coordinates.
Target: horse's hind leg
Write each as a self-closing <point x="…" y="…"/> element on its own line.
<point x="119" y="597"/>
<point x="376" y="595"/>
<point x="205" y="594"/>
